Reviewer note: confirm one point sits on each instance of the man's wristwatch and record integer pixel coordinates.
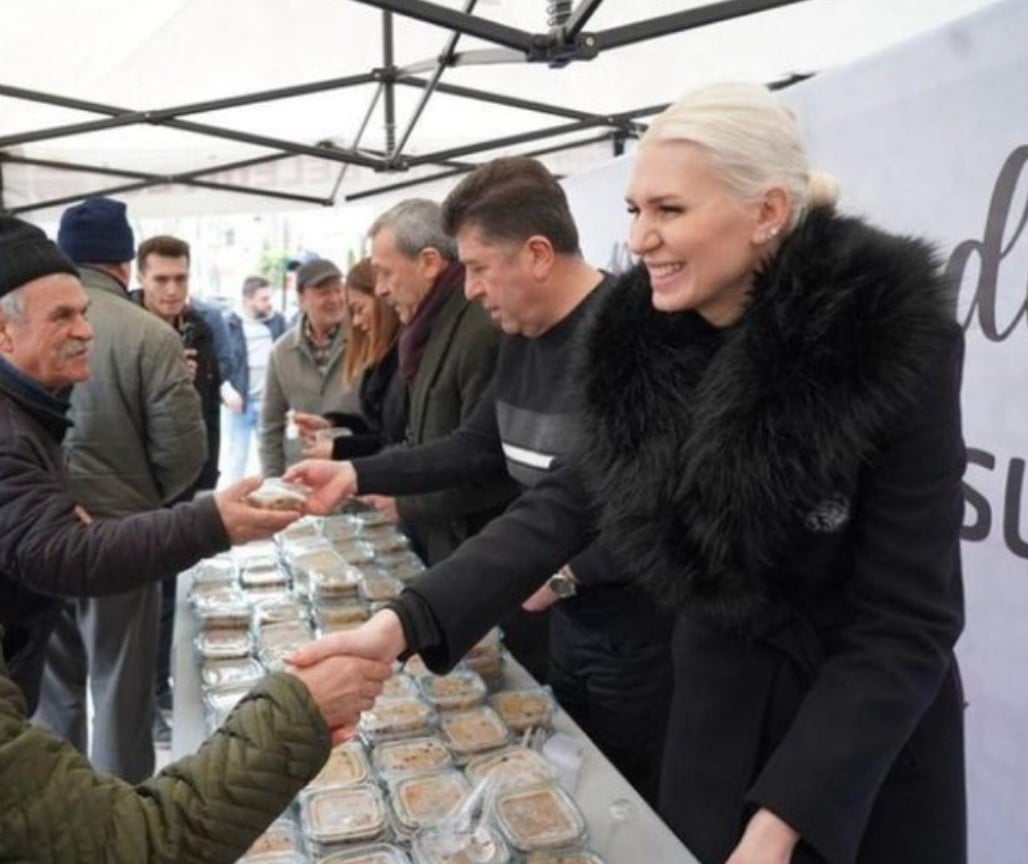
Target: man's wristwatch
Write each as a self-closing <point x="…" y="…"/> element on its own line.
<point x="563" y="584"/>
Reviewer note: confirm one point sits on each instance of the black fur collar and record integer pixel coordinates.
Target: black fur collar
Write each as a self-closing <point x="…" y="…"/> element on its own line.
<point x="707" y="447"/>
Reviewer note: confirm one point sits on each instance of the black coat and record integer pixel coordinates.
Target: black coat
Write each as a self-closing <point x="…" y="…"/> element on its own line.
<point x="791" y="487"/>
<point x="48" y="551"/>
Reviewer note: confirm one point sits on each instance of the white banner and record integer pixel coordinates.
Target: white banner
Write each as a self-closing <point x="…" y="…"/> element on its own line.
<point x="931" y="138"/>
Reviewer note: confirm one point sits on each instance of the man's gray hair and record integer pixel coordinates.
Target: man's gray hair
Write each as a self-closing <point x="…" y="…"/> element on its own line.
<point x="417" y="224"/>
<point x="12" y="304"/>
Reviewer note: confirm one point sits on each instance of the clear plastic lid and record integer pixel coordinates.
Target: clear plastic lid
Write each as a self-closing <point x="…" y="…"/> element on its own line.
<point x="285" y="634"/>
<point x="276" y="845"/>
<point x="219" y="701"/>
<point x="484" y="845"/>
<point x="424" y="799"/>
<point x="330" y="616"/>
<point x="400" y="684"/>
<point x="347" y="764"/>
<point x="460" y="690"/>
<point x="409" y="756"/>
<point x="263" y="573"/>
<point x="378" y="588"/>
<point x="220" y="570"/>
<point x="385" y="538"/>
<point x="307" y="528"/>
<point x="340" y="583"/>
<point x="238" y="672"/>
<point x="375" y="853"/>
<point x="539" y="817"/>
<point x="275" y="494"/>
<point x="318" y="559"/>
<point x="524" y="709"/>
<point x="371" y="516"/>
<point x="404" y="565"/>
<point x="511" y="767"/>
<point x="471" y="732"/>
<point x="340" y="528"/>
<point x="396" y="718"/>
<point x="275" y="610"/>
<point x="343" y="815"/>
<point x="355" y="551"/>
<point x="565" y="856"/>
<point x="224" y="643"/>
<point x="225" y="609"/>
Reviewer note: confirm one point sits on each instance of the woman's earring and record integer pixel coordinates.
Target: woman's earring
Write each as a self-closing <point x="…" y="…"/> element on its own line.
<point x="774" y="232"/>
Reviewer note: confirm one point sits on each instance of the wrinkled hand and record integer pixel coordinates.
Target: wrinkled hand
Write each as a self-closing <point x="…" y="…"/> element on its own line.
<point x="330" y="482"/>
<point x="542" y="600"/>
<point x="385" y="504"/>
<point x="379" y="638"/>
<point x="309" y="424"/>
<point x="342" y="687"/>
<point x="244" y="523"/>
<point x="766" y="840"/>
<point x="314" y="448"/>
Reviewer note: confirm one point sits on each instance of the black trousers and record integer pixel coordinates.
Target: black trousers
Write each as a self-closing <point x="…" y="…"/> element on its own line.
<point x="618" y="689"/>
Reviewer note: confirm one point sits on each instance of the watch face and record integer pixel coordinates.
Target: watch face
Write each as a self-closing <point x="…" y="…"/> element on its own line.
<point x="562" y="586"/>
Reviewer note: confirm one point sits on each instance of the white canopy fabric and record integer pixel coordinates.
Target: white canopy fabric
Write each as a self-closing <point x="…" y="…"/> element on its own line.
<point x="147" y="57"/>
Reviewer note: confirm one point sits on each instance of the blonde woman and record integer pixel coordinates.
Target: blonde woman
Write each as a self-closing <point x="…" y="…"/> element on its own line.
<point x="773" y="445"/>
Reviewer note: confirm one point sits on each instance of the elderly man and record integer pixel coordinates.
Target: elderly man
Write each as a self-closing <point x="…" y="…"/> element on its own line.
<point x="448" y="351"/>
<point x="305" y="369"/>
<point x="137" y="443"/>
<point x="50" y="546"/>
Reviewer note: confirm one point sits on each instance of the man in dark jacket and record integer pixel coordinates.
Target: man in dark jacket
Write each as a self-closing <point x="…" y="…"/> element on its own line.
<point x="50" y="547"/>
<point x="447" y="353"/>
<point x="250" y="337"/>
<point x="137" y="443"/>
<point x="610" y="656"/>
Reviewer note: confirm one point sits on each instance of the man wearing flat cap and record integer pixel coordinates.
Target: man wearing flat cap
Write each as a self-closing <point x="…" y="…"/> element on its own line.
<point x="305" y="368"/>
<point x="50" y="546"/>
<point x="138" y="442"/>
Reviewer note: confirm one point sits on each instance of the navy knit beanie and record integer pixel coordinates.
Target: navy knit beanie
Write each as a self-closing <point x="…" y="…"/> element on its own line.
<point x="96" y="232"/>
<point x="26" y="253"/>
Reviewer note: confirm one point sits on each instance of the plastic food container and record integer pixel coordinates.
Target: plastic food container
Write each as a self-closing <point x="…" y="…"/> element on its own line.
<point x="220" y="570"/>
<point x="468" y="733"/>
<point x="307" y="528"/>
<point x="539" y="817"/>
<point x="224" y="609"/>
<point x="279" y="844"/>
<point x="424" y="799"/>
<point x="385" y="538"/>
<point x="434" y="846"/>
<point x="355" y="551"/>
<point x="224" y="643"/>
<point x="371" y="516"/>
<point x="347" y="764"/>
<point x="511" y="767"/>
<point x="400" y="684"/>
<point x="220" y="701"/>
<point x="329" y="617"/>
<point x="263" y="574"/>
<point x="565" y="856"/>
<point x="285" y="634"/>
<point x="380" y="588"/>
<point x="524" y="709"/>
<point x="342" y="815"/>
<point x="460" y="690"/>
<point x="239" y="672"/>
<point x="389" y="719"/>
<point x="276" y="610"/>
<point x="375" y="853"/>
<point x="275" y="494"/>
<point x="402" y="565"/>
<point x="394" y="760"/>
<point x="340" y="528"/>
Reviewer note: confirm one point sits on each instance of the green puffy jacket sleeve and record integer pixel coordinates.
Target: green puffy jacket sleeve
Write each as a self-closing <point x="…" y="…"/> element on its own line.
<point x="209" y="807"/>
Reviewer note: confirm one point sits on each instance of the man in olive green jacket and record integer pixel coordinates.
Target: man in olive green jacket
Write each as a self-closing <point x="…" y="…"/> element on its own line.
<point x="204" y="809"/>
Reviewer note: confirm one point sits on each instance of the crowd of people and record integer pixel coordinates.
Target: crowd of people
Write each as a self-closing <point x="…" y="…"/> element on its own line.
<point x="714" y="501"/>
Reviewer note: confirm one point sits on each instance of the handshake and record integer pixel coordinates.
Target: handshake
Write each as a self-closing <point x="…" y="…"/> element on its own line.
<point x="345" y="671"/>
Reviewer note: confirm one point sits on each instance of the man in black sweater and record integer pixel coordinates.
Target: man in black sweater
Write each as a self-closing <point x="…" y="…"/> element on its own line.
<point x="609" y="646"/>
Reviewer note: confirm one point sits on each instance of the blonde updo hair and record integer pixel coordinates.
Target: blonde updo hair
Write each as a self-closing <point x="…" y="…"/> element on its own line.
<point x="753" y="137"/>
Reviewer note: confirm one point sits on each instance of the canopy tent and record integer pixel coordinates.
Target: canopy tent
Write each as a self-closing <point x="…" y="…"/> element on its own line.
<point x="184" y="106"/>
